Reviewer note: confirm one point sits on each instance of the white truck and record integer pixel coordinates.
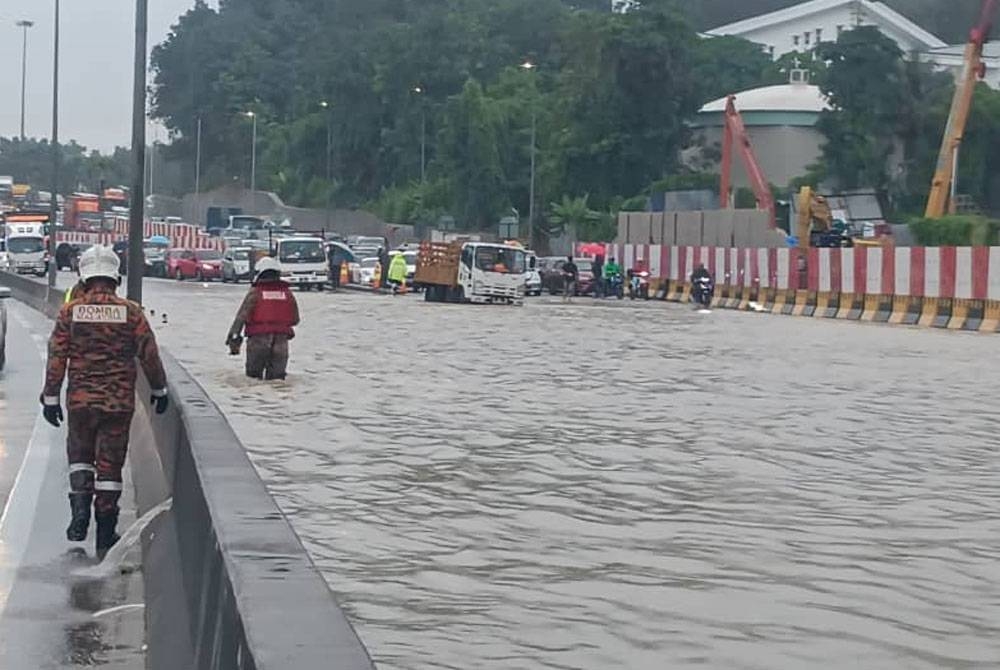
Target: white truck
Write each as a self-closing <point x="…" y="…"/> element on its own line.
<point x="476" y="272"/>
<point x="303" y="261"/>
<point x="25" y="248"/>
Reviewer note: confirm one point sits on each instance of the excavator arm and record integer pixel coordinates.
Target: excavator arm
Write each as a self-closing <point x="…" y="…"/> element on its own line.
<point x="973" y="69"/>
<point x="735" y="132"/>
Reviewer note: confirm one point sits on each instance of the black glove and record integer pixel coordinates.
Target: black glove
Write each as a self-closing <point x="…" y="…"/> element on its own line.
<point x="53" y="414"/>
<point x="161" y="402"/>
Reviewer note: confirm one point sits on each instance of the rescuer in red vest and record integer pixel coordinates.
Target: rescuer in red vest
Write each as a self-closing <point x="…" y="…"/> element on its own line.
<point x="267" y="316"/>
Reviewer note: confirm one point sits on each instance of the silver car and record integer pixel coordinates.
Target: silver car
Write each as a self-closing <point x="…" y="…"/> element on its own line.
<point x="4" y="294"/>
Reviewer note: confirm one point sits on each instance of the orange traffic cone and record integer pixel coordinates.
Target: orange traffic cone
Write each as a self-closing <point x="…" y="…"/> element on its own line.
<point x="377" y="277"/>
<point x="345" y="277"/>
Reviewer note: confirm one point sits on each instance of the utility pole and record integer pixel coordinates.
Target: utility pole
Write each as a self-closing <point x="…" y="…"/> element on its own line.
<point x="136" y="215"/>
<point x="253" y="153"/>
<point x="329" y="160"/>
<point x="419" y="90"/>
<point x="24" y="69"/>
<point x="54" y="203"/>
<point x="529" y="67"/>
<point x="197" y="163"/>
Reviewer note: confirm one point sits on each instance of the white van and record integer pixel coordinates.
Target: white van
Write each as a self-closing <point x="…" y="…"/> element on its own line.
<point x="303" y="261"/>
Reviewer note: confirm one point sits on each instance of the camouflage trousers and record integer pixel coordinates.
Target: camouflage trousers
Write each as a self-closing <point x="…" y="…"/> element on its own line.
<point x="267" y="356"/>
<point x="96" y="447"/>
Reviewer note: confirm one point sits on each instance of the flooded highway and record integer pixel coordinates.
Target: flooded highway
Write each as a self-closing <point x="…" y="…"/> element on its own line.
<point x="626" y="485"/>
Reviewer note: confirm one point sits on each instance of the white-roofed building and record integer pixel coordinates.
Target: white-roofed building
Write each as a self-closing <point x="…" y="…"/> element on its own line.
<point x="781" y="123"/>
<point x="801" y="27"/>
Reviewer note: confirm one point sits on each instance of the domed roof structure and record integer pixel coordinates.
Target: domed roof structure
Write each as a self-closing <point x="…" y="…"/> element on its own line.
<point x="781" y="98"/>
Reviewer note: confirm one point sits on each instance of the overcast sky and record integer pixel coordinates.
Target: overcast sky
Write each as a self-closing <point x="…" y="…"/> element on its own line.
<point x="95" y="91"/>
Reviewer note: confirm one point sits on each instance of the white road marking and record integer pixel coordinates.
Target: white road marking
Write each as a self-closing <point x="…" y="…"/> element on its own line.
<point x="19" y="513"/>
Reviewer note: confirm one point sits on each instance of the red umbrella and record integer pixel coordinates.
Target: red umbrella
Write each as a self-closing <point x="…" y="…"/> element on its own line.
<point x="591" y="249"/>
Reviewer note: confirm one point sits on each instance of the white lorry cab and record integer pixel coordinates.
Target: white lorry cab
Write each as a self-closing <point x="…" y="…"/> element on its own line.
<point x="303" y="261"/>
<point x="475" y="272"/>
<point x="25" y="248"/>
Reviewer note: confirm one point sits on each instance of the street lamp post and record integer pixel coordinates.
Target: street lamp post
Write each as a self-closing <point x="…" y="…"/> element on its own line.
<point x="54" y="200"/>
<point x="253" y="153"/>
<point x="423" y="134"/>
<point x="24" y="69"/>
<point x="197" y="163"/>
<point x="136" y="218"/>
<point x="329" y="160"/>
<point x="529" y="66"/>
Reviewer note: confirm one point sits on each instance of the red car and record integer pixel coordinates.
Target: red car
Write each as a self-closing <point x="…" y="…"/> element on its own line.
<point x="201" y="264"/>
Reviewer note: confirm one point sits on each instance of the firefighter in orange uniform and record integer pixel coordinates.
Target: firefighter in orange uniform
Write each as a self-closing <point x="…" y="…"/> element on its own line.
<point x="98" y="337"/>
<point x="268" y="316"/>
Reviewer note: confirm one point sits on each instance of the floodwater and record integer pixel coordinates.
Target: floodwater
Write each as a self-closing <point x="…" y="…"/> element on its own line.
<point x="627" y="485"/>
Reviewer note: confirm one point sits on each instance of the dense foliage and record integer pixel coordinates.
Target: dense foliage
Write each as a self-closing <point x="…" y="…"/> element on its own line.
<point x="958" y="231"/>
<point x="609" y="98"/>
<point x="30" y="162"/>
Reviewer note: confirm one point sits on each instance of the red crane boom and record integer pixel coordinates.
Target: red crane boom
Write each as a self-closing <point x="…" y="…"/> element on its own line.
<point x="735" y="132"/>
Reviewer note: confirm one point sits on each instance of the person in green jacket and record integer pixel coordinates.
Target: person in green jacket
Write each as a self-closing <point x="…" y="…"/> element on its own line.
<point x="397" y="273"/>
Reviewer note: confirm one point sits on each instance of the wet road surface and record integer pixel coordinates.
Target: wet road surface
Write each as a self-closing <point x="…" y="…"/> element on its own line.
<point x="626" y="485"/>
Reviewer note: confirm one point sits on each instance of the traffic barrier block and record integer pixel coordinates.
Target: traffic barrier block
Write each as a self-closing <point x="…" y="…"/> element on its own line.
<point x="662" y="289"/>
<point x="780" y="299"/>
<point x="914" y="310"/>
<point x="827" y="305"/>
<point x="900" y="307"/>
<point x="975" y="312"/>
<point x="871" y="308"/>
<point x="676" y="291"/>
<point x="768" y="296"/>
<point x="959" y="313"/>
<point x="735" y="297"/>
<point x="791" y="302"/>
<point x="991" y="317"/>
<point x="928" y="312"/>
<point x="850" y="307"/>
<point x="884" y="308"/>
<point x="945" y="306"/>
<point x="685" y="293"/>
<point x="812" y="303"/>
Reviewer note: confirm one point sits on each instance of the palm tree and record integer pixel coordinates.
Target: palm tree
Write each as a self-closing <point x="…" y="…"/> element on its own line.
<point x="571" y="215"/>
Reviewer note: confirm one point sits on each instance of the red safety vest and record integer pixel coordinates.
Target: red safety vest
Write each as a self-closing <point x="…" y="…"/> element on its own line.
<point x="274" y="313"/>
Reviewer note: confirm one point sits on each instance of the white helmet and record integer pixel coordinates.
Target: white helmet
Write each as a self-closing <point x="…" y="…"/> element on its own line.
<point x="267" y="263"/>
<point x="99" y="261"/>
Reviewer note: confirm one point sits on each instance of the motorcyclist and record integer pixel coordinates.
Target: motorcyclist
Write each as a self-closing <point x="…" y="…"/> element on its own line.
<point x="268" y="316"/>
<point x="701" y="281"/>
<point x="97" y="338"/>
<point x="612" y="273"/>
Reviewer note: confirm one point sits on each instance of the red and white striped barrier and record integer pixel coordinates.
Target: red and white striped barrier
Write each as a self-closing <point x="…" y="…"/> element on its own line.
<point x="181" y="235"/>
<point x="944" y="286"/>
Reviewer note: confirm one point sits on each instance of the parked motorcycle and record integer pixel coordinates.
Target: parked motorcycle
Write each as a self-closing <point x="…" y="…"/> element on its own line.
<point x="702" y="292"/>
<point x="638" y="285"/>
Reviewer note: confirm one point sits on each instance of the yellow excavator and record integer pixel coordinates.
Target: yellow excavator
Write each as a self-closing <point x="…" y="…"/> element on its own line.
<point x="815" y="225"/>
<point x="942" y="195"/>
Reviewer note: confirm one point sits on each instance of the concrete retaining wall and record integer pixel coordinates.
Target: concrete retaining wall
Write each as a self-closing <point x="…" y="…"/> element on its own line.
<point x="947" y="287"/>
<point x="721" y="227"/>
<point x="228" y="584"/>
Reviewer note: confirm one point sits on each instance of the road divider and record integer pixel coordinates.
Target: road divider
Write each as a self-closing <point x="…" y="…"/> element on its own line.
<point x="955" y="288"/>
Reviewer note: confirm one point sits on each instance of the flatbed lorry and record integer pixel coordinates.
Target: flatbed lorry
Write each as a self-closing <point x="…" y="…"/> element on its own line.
<point x="476" y="272"/>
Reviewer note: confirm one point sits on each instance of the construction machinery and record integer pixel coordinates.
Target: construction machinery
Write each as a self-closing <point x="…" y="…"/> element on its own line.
<point x="815" y="225"/>
<point x="943" y="196"/>
<point x="735" y="132"/>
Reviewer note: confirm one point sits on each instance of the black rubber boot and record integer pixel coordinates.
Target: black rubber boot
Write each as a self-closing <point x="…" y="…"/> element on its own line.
<point x="106" y="535"/>
<point x="79" y="504"/>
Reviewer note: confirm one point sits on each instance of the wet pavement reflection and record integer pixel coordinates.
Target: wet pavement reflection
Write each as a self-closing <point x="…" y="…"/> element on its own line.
<point x="627" y="485"/>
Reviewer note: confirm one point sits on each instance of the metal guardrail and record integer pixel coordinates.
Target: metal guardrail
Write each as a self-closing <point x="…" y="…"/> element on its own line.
<point x="228" y="584"/>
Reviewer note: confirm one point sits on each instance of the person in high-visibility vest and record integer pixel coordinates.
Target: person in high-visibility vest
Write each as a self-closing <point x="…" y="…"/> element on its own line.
<point x="397" y="273"/>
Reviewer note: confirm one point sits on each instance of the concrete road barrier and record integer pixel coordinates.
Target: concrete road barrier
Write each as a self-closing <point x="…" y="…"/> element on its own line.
<point x="944" y="287"/>
<point x="227" y="582"/>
